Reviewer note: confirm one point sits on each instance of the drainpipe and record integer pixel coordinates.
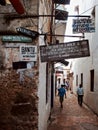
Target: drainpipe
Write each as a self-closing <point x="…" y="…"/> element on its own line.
<point x="52" y="64"/>
<point x="51" y="25"/>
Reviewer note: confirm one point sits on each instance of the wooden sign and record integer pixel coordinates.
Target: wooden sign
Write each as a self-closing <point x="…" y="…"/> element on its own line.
<point x="15" y="38"/>
<point x="55" y="52"/>
<point x="27" y="32"/>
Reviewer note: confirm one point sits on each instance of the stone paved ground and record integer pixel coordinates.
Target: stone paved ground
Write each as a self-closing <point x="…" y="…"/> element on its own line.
<point x="72" y="116"/>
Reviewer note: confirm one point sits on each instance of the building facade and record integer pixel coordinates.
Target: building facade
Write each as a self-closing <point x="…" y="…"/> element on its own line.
<point x="85" y="70"/>
<point x="25" y="82"/>
<point x="44" y="89"/>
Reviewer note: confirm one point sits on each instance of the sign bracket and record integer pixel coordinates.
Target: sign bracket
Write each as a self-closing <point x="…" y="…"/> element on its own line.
<point x="15" y="33"/>
<point x="16" y="16"/>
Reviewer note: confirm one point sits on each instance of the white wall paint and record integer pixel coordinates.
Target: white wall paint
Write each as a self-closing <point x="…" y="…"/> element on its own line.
<point x="43" y="107"/>
<point x="84" y="65"/>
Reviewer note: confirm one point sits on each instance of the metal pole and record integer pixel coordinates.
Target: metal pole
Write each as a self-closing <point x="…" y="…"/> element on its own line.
<point x="58" y="35"/>
<point x="37" y="16"/>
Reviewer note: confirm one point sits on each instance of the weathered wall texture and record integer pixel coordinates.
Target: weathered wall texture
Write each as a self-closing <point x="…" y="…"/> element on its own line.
<point x="31" y="7"/>
<point x="44" y="90"/>
<point x="18" y="101"/>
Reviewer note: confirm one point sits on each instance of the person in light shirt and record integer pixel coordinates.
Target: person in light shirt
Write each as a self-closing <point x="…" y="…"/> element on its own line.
<point x="80" y="94"/>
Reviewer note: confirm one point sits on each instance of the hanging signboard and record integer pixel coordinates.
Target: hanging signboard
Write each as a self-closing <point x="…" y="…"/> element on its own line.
<point x="27" y="32"/>
<point x="16" y="38"/>
<point x="62" y="1"/>
<point x="28" y="53"/>
<point x="61" y="15"/>
<point x="55" y="52"/>
<point x="83" y="26"/>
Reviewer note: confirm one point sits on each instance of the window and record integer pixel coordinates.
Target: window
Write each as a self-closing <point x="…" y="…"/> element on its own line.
<point x="19" y="65"/>
<point x="76" y="80"/>
<point x="76" y="9"/>
<point x="93" y="13"/>
<point x="46" y="82"/>
<point x="82" y="79"/>
<point x="92" y="80"/>
<point x="59" y="80"/>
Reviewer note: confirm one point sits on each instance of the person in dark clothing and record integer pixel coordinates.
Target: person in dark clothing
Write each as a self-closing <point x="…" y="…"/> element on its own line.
<point x="62" y="92"/>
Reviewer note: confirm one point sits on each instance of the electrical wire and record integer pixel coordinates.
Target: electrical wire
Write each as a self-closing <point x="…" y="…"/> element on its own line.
<point x="33" y="21"/>
<point x="89" y="9"/>
<point x="45" y="22"/>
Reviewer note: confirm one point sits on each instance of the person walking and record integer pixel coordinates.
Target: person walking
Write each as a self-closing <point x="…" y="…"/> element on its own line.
<point x="67" y="85"/>
<point x="58" y="87"/>
<point x="61" y="92"/>
<point x="80" y="94"/>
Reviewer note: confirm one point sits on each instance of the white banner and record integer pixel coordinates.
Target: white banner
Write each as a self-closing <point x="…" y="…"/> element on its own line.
<point x="83" y="25"/>
<point x="28" y="53"/>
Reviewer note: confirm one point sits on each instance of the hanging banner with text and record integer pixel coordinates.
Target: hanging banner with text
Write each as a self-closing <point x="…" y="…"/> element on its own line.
<point x="83" y="26"/>
<point x="55" y="52"/>
<point x="28" y="53"/>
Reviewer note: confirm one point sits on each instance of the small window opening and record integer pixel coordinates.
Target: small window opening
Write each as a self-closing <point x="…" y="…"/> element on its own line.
<point x="76" y="80"/>
<point x="92" y="80"/>
<point x="93" y="13"/>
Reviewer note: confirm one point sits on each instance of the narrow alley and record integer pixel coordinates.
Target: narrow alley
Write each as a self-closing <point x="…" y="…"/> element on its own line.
<point x="72" y="116"/>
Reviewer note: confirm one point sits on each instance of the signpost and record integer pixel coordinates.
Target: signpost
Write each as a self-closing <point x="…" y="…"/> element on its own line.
<point x="55" y="52"/>
<point x="16" y="38"/>
<point x="83" y="26"/>
<point x="28" y="53"/>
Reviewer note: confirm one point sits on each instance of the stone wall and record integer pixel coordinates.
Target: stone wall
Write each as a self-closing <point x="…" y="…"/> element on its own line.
<point x="18" y="102"/>
<point x="18" y="98"/>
